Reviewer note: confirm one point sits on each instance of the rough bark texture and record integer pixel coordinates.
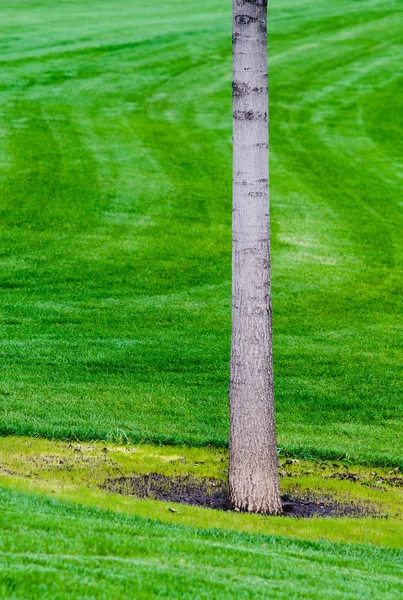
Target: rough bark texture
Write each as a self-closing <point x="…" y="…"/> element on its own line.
<point x="253" y="470"/>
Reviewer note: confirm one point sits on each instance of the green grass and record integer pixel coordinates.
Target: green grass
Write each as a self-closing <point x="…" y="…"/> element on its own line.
<point x="55" y="550"/>
<point x="115" y="217"/>
<point x="77" y="473"/>
<point x="115" y="259"/>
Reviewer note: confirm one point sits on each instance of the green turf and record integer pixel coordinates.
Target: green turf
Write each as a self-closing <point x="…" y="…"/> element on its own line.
<point x="115" y="215"/>
<point x="77" y="472"/>
<point x="54" y="550"/>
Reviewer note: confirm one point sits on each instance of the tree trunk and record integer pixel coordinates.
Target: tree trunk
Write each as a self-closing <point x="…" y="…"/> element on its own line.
<point x="253" y="467"/>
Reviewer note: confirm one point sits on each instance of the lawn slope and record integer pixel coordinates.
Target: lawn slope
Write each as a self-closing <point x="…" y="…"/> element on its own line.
<point x="115" y="215"/>
<point x="63" y="551"/>
<point x="81" y="473"/>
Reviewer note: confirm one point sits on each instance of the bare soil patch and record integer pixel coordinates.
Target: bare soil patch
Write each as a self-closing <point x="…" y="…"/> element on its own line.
<point x="212" y="493"/>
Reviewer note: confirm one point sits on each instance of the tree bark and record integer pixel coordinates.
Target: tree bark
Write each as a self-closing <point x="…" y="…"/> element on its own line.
<point x="253" y="466"/>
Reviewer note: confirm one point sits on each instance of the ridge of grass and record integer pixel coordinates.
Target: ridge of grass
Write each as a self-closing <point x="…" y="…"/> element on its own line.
<point x="63" y="551"/>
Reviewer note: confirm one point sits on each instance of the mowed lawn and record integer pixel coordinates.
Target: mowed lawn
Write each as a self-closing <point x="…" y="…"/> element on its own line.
<point x="60" y="551"/>
<point x="115" y="217"/>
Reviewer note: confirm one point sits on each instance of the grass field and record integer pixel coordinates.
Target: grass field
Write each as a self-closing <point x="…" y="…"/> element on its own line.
<point x="62" y="551"/>
<point x="77" y="472"/>
<point x="116" y="211"/>
<point x="115" y="268"/>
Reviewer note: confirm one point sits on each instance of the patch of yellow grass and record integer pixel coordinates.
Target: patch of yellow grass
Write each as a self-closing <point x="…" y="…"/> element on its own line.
<point x="76" y="472"/>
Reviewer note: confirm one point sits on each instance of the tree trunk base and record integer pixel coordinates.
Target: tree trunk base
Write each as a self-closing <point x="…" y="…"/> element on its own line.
<point x="270" y="506"/>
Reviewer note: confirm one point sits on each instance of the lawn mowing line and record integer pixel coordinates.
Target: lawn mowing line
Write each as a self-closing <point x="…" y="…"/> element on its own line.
<point x="313" y="42"/>
<point x="314" y="554"/>
<point x="107" y="48"/>
<point x="214" y="573"/>
<point x="134" y="301"/>
<point x="348" y="80"/>
<point x="85" y="558"/>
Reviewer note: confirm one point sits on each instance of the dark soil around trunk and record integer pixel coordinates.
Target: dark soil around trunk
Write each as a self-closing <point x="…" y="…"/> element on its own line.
<point x="212" y="493"/>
